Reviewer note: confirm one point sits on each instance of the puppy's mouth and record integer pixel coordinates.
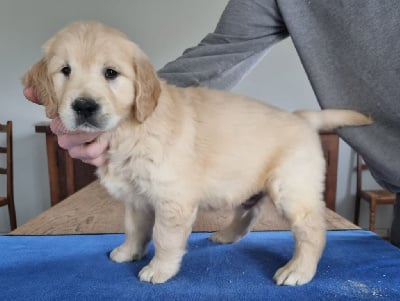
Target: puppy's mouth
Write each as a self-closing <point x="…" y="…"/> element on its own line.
<point x="90" y="124"/>
<point x="87" y="114"/>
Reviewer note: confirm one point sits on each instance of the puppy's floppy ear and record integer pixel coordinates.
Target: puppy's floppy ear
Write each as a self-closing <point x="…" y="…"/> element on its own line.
<point x="147" y="88"/>
<point x="38" y="78"/>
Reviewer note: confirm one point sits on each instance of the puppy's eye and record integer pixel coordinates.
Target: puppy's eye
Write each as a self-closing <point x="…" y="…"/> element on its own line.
<point x="110" y="74"/>
<point x="66" y="70"/>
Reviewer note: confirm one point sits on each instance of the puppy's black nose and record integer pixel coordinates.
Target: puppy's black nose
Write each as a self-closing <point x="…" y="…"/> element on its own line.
<point x="85" y="107"/>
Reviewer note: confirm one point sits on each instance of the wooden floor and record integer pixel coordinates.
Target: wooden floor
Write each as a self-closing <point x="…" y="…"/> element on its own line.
<point x="91" y="210"/>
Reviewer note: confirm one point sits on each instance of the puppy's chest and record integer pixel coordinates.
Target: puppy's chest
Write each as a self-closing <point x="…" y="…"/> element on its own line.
<point x="139" y="169"/>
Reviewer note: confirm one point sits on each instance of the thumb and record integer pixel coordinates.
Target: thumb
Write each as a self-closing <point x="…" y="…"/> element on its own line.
<point x="57" y="127"/>
<point x="30" y="94"/>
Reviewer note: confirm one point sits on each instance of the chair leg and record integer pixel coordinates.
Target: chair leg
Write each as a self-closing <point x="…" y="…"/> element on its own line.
<point x="13" y="218"/>
<point x="357" y="211"/>
<point x="372" y="212"/>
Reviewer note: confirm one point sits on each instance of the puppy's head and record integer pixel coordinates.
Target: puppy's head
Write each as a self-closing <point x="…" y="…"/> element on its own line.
<point x="93" y="76"/>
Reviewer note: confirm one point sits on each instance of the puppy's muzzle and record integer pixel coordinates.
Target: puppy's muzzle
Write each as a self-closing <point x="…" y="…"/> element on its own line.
<point x="86" y="111"/>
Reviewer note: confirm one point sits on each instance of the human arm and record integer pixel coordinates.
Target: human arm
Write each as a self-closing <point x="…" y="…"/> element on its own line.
<point x="245" y="32"/>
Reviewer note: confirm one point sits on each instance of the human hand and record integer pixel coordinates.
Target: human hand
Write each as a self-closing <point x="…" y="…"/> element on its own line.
<point x="90" y="148"/>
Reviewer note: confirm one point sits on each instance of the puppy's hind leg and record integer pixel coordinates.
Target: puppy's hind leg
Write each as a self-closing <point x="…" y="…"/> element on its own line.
<point x="138" y="229"/>
<point x="309" y="235"/>
<point x="302" y="205"/>
<point x="245" y="217"/>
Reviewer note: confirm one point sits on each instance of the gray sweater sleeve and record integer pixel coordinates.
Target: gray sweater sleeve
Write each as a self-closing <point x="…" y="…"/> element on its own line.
<point x="245" y="32"/>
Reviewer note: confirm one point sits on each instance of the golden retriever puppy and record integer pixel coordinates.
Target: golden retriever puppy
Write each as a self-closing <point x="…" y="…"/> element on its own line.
<point x="174" y="150"/>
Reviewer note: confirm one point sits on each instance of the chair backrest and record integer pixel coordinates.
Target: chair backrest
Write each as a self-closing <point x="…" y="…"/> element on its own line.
<point x="8" y="151"/>
<point x="7" y="170"/>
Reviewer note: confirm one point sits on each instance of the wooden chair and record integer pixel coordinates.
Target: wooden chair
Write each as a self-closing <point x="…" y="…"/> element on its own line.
<point x="8" y="200"/>
<point x="373" y="197"/>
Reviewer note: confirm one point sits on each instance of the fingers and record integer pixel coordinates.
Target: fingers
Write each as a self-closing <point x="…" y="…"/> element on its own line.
<point x="99" y="161"/>
<point x="30" y="94"/>
<point x="58" y="128"/>
<point x="90" y="148"/>
<point x="94" y="153"/>
<point x="72" y="140"/>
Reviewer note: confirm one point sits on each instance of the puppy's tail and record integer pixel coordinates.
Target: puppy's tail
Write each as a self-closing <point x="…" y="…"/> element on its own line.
<point x="330" y="119"/>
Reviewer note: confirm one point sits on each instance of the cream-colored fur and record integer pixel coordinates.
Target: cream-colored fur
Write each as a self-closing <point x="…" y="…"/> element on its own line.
<point x="174" y="151"/>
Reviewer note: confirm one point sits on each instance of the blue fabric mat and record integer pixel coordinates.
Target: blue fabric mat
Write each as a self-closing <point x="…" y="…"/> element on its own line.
<point x="356" y="265"/>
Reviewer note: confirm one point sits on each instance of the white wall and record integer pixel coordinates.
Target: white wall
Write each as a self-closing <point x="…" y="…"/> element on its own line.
<point x="163" y="29"/>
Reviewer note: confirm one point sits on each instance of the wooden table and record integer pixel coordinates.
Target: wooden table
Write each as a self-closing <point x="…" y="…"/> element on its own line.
<point x="91" y="210"/>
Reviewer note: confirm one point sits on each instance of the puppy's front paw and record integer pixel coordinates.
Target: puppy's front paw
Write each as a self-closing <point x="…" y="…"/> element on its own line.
<point x="293" y="273"/>
<point x="157" y="272"/>
<point x="125" y="253"/>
